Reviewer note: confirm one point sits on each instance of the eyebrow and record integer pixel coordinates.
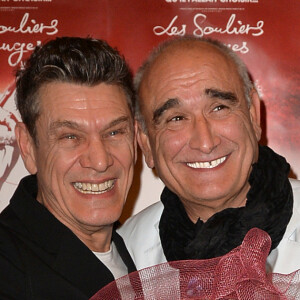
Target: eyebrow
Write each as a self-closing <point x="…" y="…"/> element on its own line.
<point x="212" y="93"/>
<point x="170" y="103"/>
<point x="124" y="119"/>
<point x="60" y="124"/>
<point x="223" y="95"/>
<point x="73" y="125"/>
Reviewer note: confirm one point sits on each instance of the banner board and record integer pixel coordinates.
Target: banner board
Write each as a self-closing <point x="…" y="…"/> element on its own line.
<point x="264" y="34"/>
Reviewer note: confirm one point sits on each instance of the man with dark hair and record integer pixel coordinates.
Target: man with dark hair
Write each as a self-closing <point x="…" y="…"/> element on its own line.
<point x="77" y="139"/>
<point x="199" y="127"/>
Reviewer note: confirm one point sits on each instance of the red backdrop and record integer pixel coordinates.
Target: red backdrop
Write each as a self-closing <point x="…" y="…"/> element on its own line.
<point x="264" y="33"/>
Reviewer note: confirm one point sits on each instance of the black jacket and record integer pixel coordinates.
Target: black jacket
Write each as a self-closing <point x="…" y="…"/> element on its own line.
<point x="40" y="258"/>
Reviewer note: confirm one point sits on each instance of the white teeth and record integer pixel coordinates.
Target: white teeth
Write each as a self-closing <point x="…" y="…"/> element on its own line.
<point x="94" y="188"/>
<point x="207" y="164"/>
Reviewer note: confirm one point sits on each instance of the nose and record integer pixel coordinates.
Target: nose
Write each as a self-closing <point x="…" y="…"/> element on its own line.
<point x="96" y="156"/>
<point x="202" y="136"/>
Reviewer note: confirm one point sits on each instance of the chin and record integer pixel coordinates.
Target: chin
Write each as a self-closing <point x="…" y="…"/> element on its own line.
<point x="97" y="222"/>
<point x="104" y="218"/>
<point x="209" y="194"/>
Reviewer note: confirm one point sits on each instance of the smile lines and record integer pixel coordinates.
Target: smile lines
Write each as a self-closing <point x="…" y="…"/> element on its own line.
<point x="94" y="188"/>
<point x="207" y="164"/>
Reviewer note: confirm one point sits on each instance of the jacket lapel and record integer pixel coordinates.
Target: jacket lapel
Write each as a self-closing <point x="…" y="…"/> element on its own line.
<point x="54" y="243"/>
<point x="123" y="252"/>
<point x="80" y="266"/>
<point x="57" y="246"/>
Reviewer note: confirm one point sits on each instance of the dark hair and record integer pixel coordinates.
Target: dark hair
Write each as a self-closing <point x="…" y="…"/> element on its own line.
<point x="73" y="60"/>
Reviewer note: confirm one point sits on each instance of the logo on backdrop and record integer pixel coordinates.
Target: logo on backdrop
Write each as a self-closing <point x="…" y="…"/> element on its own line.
<point x="8" y="147"/>
<point x="27" y="25"/>
<point x="233" y="26"/>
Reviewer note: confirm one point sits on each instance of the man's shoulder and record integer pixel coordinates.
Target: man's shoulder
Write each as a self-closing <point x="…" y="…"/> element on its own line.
<point x="295" y="184"/>
<point x="146" y="219"/>
<point x="279" y="260"/>
<point x="296" y="194"/>
<point x="141" y="236"/>
<point x="8" y="219"/>
<point x="12" y="283"/>
<point x="294" y="223"/>
<point x="9" y="244"/>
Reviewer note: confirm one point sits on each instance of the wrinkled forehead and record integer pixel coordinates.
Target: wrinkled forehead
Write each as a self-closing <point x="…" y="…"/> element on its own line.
<point x="99" y="103"/>
<point x="187" y="62"/>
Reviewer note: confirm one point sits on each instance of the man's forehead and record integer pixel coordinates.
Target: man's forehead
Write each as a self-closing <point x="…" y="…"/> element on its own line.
<point x="81" y="96"/>
<point x="185" y="68"/>
<point x="184" y="51"/>
<point x="189" y="57"/>
<point x="73" y="104"/>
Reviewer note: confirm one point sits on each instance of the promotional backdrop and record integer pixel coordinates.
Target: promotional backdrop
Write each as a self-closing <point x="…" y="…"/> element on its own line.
<point x="264" y="34"/>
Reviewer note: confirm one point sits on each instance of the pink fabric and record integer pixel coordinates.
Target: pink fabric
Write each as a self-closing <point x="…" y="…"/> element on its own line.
<point x="240" y="274"/>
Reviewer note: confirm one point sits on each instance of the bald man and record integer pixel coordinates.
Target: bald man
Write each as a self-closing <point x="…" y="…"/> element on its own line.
<point x="199" y="127"/>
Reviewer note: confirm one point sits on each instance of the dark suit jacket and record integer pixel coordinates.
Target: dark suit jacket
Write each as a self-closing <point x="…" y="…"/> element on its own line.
<point x="40" y="258"/>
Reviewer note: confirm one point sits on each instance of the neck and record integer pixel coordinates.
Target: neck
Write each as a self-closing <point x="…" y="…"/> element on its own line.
<point x="96" y="238"/>
<point x="97" y="241"/>
<point x="205" y="209"/>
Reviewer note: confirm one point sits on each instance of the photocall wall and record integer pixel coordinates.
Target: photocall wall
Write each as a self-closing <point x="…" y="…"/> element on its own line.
<point x="264" y="33"/>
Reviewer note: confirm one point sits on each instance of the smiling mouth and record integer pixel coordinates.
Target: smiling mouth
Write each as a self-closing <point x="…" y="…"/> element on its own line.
<point x="94" y="188"/>
<point x="207" y="164"/>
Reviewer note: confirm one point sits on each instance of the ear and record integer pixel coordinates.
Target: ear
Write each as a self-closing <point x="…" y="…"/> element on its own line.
<point x="27" y="147"/>
<point x="143" y="141"/>
<point x="255" y="113"/>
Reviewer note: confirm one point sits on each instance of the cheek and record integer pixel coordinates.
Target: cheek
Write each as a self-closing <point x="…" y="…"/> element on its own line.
<point x="240" y="132"/>
<point x="237" y="128"/>
<point x="124" y="154"/>
<point x="57" y="163"/>
<point x="126" y="159"/>
<point x="170" y="143"/>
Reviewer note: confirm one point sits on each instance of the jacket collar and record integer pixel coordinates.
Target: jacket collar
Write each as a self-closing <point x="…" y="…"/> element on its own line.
<point x="56" y="244"/>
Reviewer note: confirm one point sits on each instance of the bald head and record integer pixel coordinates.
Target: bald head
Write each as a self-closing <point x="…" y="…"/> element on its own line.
<point x="177" y="50"/>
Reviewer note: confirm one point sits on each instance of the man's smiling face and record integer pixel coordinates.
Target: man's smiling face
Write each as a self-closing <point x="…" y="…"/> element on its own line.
<point x="202" y="135"/>
<point x="85" y="153"/>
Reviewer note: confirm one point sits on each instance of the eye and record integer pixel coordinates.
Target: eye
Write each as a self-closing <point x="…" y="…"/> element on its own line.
<point x="220" y="107"/>
<point x="115" y="132"/>
<point x="70" y="137"/>
<point x="176" y="119"/>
